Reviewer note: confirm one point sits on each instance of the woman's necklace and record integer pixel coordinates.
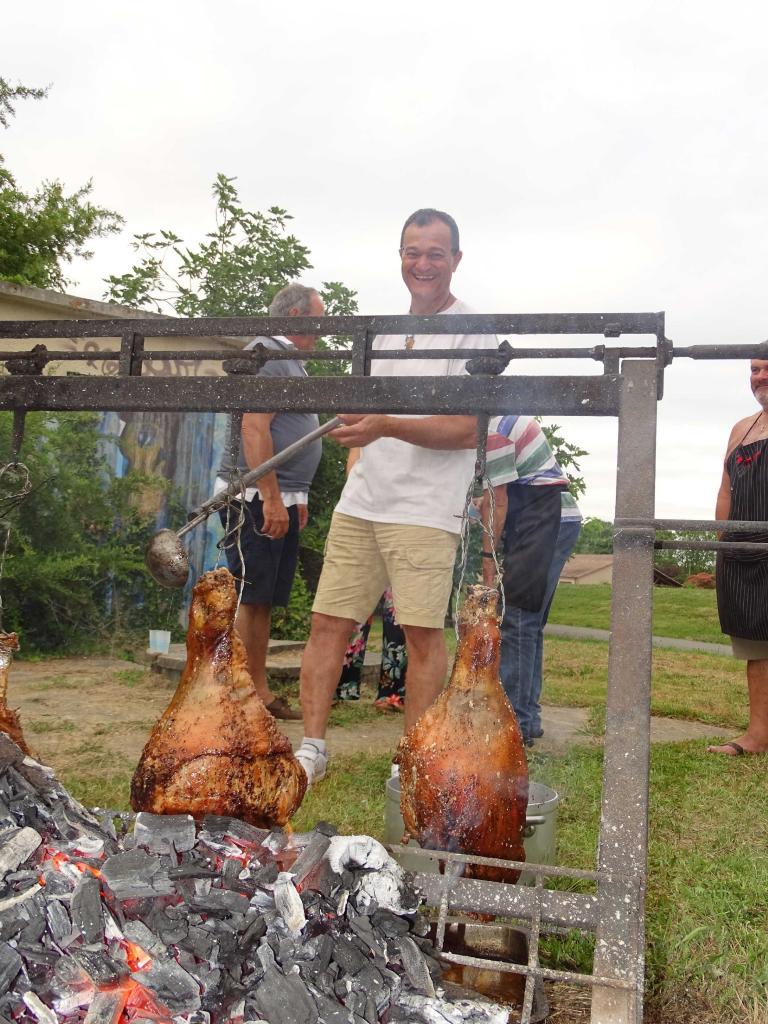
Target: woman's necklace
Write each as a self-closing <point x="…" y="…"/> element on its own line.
<point x="410" y="341"/>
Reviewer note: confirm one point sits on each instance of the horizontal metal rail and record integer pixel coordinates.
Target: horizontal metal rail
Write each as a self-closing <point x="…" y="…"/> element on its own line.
<point x="546" y="870"/>
<point x="584" y="396"/>
<point x="743" y="546"/>
<point x="748" y="350"/>
<point x="695" y="525"/>
<point x="256" y="355"/>
<point x="608" y="324"/>
<point x="559" y="907"/>
<point x="547" y="973"/>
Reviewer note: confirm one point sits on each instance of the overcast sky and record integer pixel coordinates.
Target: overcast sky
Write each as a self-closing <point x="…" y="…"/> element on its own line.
<point x="598" y="157"/>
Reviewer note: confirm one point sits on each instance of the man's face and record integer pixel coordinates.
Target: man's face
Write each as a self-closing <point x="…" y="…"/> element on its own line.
<point x="758" y="380"/>
<point x="316" y="308"/>
<point x="428" y="264"/>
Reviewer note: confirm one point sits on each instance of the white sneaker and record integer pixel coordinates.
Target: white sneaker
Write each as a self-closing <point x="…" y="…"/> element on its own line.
<point x="313" y="760"/>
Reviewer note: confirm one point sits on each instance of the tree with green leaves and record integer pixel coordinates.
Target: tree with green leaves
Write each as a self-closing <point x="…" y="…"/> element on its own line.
<point x="596" y="537"/>
<point x="235" y="271"/>
<point x="41" y="231"/>
<point x="567" y="456"/>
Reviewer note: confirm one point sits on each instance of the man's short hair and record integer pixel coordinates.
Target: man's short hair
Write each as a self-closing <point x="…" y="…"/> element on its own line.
<point x="423" y="217"/>
<point x="296" y="296"/>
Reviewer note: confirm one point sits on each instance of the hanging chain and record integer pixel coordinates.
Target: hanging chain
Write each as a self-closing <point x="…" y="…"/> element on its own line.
<point x="479" y="484"/>
<point x="235" y="506"/>
<point x="468" y="522"/>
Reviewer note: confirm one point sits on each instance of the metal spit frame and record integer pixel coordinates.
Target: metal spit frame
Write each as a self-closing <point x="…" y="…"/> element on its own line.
<point x="629" y="387"/>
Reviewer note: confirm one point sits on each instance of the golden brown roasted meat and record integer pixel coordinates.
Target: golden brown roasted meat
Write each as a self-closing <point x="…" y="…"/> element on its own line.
<point x="9" y="720"/>
<point x="463" y="772"/>
<point x="216" y="749"/>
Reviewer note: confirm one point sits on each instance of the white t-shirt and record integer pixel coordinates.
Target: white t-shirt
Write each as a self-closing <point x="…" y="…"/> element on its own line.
<point x="397" y="482"/>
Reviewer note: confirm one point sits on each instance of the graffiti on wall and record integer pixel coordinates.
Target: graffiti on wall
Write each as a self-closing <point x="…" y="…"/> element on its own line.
<point x="178" y="453"/>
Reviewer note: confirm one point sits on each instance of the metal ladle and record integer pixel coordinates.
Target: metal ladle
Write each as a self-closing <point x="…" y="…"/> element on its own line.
<point x="166" y="556"/>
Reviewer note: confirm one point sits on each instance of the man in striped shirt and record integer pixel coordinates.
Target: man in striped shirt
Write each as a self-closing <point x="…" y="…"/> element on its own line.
<point x="540" y="522"/>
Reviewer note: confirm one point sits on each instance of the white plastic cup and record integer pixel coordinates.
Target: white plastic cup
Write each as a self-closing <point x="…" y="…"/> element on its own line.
<point x="159" y="640"/>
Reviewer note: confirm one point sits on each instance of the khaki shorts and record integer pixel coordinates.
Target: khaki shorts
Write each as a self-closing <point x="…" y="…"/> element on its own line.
<point x="363" y="558"/>
<point x="749" y="650"/>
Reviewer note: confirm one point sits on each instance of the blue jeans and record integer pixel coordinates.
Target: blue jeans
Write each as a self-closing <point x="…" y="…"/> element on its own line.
<point x="522" y="641"/>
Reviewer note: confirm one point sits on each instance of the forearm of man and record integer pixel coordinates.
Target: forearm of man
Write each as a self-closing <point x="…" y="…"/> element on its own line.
<point x="442" y="433"/>
<point x="257" y="448"/>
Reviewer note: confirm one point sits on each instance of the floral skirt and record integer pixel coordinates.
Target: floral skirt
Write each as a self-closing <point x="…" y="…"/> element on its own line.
<point x="394" y="660"/>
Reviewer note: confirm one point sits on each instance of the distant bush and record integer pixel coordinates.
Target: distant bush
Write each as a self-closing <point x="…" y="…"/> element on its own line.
<point x="702" y="580"/>
<point x="292" y="623"/>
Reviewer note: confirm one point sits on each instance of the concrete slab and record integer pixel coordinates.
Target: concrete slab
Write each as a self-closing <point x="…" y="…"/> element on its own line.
<point x="283" y="662"/>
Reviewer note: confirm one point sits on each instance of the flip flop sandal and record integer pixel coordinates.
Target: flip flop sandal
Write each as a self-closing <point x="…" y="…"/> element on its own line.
<point x="738" y="750"/>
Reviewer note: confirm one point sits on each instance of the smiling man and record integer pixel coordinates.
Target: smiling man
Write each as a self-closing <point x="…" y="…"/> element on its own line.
<point x="398" y="519"/>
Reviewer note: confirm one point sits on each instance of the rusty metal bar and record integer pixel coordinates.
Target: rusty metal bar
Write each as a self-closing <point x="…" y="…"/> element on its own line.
<point x="569" y="909"/>
<point x="597" y="353"/>
<point x="583" y="396"/>
<point x="751" y="350"/>
<point x="695" y="525"/>
<point x="547" y="870"/>
<point x="743" y="546"/>
<point x="609" y="324"/>
<point x="623" y="843"/>
<point x="131" y="354"/>
<point x="360" y="347"/>
<point x="547" y="973"/>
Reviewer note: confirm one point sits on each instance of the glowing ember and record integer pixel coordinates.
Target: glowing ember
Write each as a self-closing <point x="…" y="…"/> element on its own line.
<point x="136" y="958"/>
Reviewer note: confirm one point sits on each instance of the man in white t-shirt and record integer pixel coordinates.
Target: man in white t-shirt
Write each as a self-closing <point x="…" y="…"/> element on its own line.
<point x="398" y="519"/>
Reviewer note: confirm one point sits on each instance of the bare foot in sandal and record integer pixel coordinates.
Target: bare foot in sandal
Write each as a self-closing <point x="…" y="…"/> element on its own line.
<point x="734" y="748"/>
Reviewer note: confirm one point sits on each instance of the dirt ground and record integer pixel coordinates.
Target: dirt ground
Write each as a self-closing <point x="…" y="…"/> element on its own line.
<point x="91" y="716"/>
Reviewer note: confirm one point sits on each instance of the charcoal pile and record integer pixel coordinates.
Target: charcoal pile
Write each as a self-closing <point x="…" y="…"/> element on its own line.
<point x="157" y="918"/>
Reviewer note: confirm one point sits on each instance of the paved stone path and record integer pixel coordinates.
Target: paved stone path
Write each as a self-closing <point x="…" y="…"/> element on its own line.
<point x="586" y="633"/>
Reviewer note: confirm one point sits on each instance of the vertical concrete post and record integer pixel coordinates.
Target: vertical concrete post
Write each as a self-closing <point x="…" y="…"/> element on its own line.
<point x="623" y="841"/>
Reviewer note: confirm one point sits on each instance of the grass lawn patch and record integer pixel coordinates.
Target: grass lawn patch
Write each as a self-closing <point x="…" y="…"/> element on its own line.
<point x="707" y="907"/>
<point x="687" y="613"/>
<point x="688" y="685"/>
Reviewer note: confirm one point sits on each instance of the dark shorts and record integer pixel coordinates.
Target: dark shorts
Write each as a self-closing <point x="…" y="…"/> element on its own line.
<point x="270" y="565"/>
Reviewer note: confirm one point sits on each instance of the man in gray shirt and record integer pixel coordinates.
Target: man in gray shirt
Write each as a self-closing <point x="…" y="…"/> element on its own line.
<point x="276" y="510"/>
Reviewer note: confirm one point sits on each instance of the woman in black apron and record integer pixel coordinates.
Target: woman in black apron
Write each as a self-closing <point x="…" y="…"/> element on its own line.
<point x="742" y="578"/>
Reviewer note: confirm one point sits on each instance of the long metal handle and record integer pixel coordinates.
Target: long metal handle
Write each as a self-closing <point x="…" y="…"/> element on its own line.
<point x="236" y="489"/>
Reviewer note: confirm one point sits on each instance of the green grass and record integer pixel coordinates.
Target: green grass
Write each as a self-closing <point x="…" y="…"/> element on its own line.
<point x="687" y="613"/>
<point x="38" y="725"/>
<point x="60" y="683"/>
<point x="351" y="797"/>
<point x="707" y="908"/>
<point x="106" y="789"/>
<point x="688" y="685"/>
<point x="130" y="676"/>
